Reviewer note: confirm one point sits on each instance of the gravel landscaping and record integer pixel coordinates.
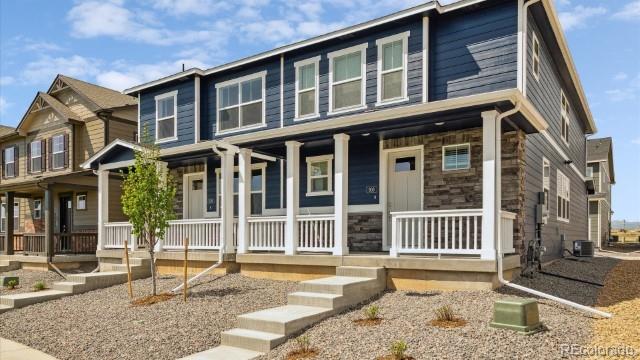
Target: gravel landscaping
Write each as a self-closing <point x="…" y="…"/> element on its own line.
<point x="29" y="277"/>
<point x="102" y="325"/>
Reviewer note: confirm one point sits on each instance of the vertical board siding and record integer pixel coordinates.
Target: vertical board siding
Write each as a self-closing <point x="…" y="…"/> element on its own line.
<point x="474" y="52"/>
<point x="185" y="115"/>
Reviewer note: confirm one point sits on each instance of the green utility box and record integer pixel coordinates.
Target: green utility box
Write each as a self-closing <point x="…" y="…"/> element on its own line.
<point x="517" y="314"/>
<point x="4" y="280"/>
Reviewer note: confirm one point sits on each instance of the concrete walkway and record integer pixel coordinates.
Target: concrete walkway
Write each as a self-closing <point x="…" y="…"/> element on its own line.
<point x="11" y="350"/>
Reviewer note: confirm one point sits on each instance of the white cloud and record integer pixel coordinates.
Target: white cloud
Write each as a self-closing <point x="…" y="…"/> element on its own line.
<point x="4" y="105"/>
<point x="44" y="69"/>
<point x="578" y="16"/>
<point x="636" y="141"/>
<point x="631" y="11"/>
<point x="186" y="7"/>
<point x="6" y="80"/>
<point x="619" y="95"/>
<point x="125" y="75"/>
<point x="621" y="76"/>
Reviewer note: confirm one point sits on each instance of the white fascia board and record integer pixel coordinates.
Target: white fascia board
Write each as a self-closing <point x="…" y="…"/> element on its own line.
<point x="87" y="164"/>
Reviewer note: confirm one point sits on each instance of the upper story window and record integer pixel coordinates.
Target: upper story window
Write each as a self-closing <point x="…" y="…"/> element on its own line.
<point x="10" y="157"/>
<point x="346" y="78"/>
<point x="319" y="172"/>
<point x="564" y="112"/>
<point x="564" y="196"/>
<point x="456" y="157"/>
<point x="307" y="80"/>
<point x="35" y="156"/>
<point x="535" y="48"/>
<point x="241" y="103"/>
<point x="392" y="68"/>
<point x="166" y="121"/>
<point x="546" y="182"/>
<point x="58" y="158"/>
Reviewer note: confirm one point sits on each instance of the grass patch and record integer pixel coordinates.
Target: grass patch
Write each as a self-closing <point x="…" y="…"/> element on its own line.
<point x="39" y="286"/>
<point x="152" y="299"/>
<point x="398" y="349"/>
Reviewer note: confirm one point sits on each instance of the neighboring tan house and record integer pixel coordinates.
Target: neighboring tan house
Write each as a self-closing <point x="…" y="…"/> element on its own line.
<point x="600" y="170"/>
<point x="54" y="200"/>
<point x="421" y="141"/>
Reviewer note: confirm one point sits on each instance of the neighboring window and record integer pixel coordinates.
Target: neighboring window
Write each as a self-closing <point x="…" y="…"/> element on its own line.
<point x="16" y="216"/>
<point x="37" y="209"/>
<point x="257" y="191"/>
<point x="81" y="201"/>
<point x="590" y="171"/>
<point x="241" y="103"/>
<point x="405" y="164"/>
<point x="564" y="111"/>
<point x="392" y="67"/>
<point x="564" y="198"/>
<point x="536" y="57"/>
<point x="58" y="152"/>
<point x="546" y="181"/>
<point x="36" y="156"/>
<point x="166" y="124"/>
<point x="10" y="162"/>
<point x="455" y="157"/>
<point x="346" y="80"/>
<point x="319" y="172"/>
<point x="307" y="88"/>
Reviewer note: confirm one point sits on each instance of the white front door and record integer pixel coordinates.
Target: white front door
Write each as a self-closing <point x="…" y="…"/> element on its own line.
<point x="195" y="197"/>
<point x="404" y="193"/>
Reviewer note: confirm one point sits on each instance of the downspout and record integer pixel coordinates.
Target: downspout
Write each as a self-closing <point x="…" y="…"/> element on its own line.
<point x="220" y="252"/>
<point x="500" y="265"/>
<point x="525" y="20"/>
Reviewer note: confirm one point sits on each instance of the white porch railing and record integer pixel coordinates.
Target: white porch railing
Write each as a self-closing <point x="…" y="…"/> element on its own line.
<point x="437" y="232"/>
<point x="115" y="234"/>
<point x="266" y="233"/>
<point x="202" y="234"/>
<point x="506" y="231"/>
<point x="316" y="233"/>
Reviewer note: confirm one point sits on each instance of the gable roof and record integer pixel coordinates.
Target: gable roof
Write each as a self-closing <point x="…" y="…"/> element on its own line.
<point x="58" y="107"/>
<point x="6" y="130"/>
<point x="102" y="97"/>
<point x="601" y="150"/>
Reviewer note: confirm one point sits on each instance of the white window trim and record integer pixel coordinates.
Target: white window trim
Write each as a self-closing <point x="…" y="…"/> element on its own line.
<point x="559" y="194"/>
<point x="320" y="158"/>
<point x="297" y="65"/>
<point x="362" y="48"/>
<point x="564" y="117"/>
<point x="10" y="160"/>
<point x="54" y="153"/>
<point x="444" y="150"/>
<point x="404" y="36"/>
<point x="257" y="166"/>
<point x="35" y="208"/>
<point x="536" y="57"/>
<point x="546" y="185"/>
<point x="31" y="158"/>
<point x="261" y="74"/>
<point x="78" y="201"/>
<point x="173" y="94"/>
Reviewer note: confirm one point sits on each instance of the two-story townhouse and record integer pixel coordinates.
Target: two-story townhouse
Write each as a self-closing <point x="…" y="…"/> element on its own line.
<point x="421" y="141"/>
<point x="601" y="171"/>
<point x="53" y="213"/>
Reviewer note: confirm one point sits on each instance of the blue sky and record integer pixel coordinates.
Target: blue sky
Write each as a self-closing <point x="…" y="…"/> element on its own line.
<point x="119" y="43"/>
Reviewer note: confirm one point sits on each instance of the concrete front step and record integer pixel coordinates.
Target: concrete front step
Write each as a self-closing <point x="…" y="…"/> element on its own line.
<point x="329" y="301"/>
<point x="283" y="320"/>
<point x="339" y="285"/>
<point x="4" y="308"/>
<point x="224" y="353"/>
<point x="24" y="299"/>
<point x="360" y="271"/>
<point x="251" y="339"/>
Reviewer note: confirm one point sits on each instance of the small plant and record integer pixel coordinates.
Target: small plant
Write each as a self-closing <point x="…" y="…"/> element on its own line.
<point x="303" y="349"/>
<point x="445" y="313"/>
<point x="11" y="284"/>
<point x="371" y="312"/>
<point x="39" y="286"/>
<point x="303" y="343"/>
<point x="398" y="348"/>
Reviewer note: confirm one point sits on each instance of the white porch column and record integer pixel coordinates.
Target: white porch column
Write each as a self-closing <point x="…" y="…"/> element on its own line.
<point x="226" y="206"/>
<point x="293" y="194"/>
<point x="491" y="138"/>
<point x="341" y="193"/>
<point x="244" y="199"/>
<point x="103" y="206"/>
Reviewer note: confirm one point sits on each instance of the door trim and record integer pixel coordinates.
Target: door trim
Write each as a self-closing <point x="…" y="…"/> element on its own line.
<point x="186" y="182"/>
<point x="384" y="168"/>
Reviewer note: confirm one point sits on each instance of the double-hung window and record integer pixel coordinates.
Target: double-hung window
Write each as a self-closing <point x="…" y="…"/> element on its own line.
<point x="564" y="112"/>
<point x="36" y="156"/>
<point x="546" y="182"/>
<point x="319" y="171"/>
<point x="392" y="68"/>
<point x="307" y="88"/>
<point x="58" y="152"/>
<point x="166" y="122"/>
<point x="456" y="157"/>
<point x="535" y="49"/>
<point x="241" y="103"/>
<point x="37" y="208"/>
<point x="564" y="196"/>
<point x="10" y="162"/>
<point x="346" y="78"/>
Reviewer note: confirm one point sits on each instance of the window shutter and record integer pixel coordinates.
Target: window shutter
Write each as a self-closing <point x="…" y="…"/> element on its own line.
<point x="29" y="158"/>
<point x="66" y="150"/>
<point x="49" y="150"/>
<point x="16" y="164"/>
<point x="43" y="151"/>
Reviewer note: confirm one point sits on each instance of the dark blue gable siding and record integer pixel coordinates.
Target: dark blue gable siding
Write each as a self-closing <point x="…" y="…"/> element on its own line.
<point x="185" y="115"/>
<point x="474" y="52"/>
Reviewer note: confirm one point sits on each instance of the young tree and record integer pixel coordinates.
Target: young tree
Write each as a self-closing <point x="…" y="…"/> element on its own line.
<point x="148" y="192"/>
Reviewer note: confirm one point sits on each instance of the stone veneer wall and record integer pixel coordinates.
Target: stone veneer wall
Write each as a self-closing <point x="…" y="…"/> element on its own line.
<point x="365" y="231"/>
<point x="177" y="174"/>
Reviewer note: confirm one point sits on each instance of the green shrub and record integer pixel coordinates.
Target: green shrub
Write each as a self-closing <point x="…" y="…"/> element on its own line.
<point x="445" y="313"/>
<point x="371" y="312"/>
<point x="39" y="286"/>
<point x="303" y="343"/>
<point x="398" y="349"/>
<point x="11" y="284"/>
